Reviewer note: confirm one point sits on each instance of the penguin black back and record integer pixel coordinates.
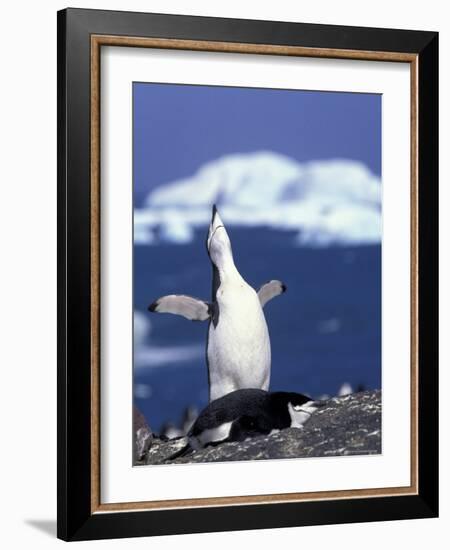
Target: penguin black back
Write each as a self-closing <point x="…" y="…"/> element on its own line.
<point x="246" y="402"/>
<point x="246" y="413"/>
<point x="264" y="408"/>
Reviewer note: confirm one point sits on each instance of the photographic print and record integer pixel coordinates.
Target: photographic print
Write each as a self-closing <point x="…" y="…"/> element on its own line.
<point x="257" y="273"/>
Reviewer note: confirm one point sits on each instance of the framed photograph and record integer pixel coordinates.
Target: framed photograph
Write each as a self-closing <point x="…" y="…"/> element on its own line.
<point x="247" y="255"/>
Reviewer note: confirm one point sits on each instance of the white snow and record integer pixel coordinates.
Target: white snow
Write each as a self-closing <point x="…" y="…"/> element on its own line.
<point x="142" y="328"/>
<point x="328" y="202"/>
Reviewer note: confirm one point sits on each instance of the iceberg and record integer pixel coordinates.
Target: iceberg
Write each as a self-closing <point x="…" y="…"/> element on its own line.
<point x="327" y="202"/>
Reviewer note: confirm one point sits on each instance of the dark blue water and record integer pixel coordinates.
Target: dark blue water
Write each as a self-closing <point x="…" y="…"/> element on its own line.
<point x="325" y="330"/>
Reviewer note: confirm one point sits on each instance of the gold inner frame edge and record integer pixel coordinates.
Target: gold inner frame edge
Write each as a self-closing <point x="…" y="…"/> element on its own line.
<point x="263" y="49"/>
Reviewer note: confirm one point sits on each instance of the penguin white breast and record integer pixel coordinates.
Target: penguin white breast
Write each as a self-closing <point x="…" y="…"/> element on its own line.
<point x="239" y="345"/>
<point x="212" y="435"/>
<point x="300" y="415"/>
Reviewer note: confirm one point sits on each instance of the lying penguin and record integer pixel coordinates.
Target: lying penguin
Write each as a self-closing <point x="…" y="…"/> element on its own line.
<point x="238" y="344"/>
<point x="247" y="413"/>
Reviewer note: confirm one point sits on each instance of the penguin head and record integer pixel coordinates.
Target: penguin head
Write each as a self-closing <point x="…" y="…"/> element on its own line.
<point x="218" y="243"/>
<point x="300" y="408"/>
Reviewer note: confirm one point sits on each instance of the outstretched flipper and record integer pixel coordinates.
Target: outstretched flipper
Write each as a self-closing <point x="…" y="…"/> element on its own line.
<point x="186" y="306"/>
<point x="269" y="290"/>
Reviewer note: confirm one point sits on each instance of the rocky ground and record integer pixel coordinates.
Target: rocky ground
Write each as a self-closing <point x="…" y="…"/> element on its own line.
<point x="349" y="425"/>
<point x="143" y="436"/>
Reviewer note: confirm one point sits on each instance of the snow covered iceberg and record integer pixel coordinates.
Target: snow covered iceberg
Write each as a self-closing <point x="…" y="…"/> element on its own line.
<point x="327" y="202"/>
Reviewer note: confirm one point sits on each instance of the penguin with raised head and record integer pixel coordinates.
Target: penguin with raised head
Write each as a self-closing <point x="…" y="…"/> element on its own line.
<point x="238" y="344"/>
<point x="247" y="413"/>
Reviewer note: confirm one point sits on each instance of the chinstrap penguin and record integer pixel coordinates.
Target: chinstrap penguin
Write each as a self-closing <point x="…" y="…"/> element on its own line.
<point x="238" y="344"/>
<point x="247" y="413"/>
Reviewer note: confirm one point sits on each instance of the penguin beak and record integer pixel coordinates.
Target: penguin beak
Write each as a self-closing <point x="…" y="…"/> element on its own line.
<point x="216" y="223"/>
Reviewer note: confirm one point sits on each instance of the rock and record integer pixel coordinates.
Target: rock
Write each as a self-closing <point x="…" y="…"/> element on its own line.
<point x="161" y="450"/>
<point x="142" y="435"/>
<point x="349" y="425"/>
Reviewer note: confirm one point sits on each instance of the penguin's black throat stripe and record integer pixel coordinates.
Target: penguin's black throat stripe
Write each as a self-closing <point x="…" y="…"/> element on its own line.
<point x="216" y="282"/>
<point x="214" y="306"/>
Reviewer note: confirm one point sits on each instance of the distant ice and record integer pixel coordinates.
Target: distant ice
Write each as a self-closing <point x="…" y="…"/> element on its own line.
<point x="345" y="389"/>
<point x="142" y="391"/>
<point x="141" y="328"/>
<point x="328" y="202"/>
<point x="160" y="356"/>
<point x="143" y="234"/>
<point x="329" y="326"/>
<point x="148" y="355"/>
<point x="176" y="231"/>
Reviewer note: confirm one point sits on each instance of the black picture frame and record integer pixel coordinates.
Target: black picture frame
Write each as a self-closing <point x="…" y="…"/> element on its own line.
<point x="76" y="519"/>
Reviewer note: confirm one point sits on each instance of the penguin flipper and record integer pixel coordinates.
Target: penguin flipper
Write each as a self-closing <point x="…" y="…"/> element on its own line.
<point x="269" y="290"/>
<point x="186" y="306"/>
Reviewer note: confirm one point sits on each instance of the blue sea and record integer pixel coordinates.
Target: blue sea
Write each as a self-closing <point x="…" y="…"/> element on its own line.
<point x="325" y="330"/>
